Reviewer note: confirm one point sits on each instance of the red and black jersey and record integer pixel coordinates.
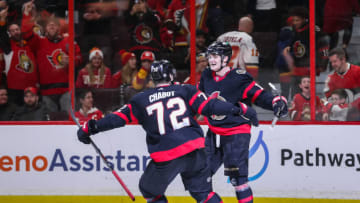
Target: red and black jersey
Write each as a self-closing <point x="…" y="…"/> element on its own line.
<point x="349" y="80"/>
<point x="301" y="103"/>
<point x="53" y="76"/>
<point x="167" y="115"/>
<point x="93" y="113"/>
<point x="236" y="86"/>
<point x="22" y="72"/>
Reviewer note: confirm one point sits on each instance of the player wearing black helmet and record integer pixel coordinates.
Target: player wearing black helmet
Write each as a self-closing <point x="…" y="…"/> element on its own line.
<point x="235" y="86"/>
<point x="174" y="139"/>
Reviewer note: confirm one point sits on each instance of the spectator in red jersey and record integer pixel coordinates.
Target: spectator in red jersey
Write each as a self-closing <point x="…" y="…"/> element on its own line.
<point x="142" y="79"/>
<point x="128" y="71"/>
<point x="337" y="108"/>
<point x="87" y="110"/>
<point x="52" y="59"/>
<point x="338" y="21"/>
<point x="300" y="106"/>
<point x="345" y="75"/>
<point x="7" y="109"/>
<point x="20" y="65"/>
<point x="33" y="109"/>
<point x="95" y="74"/>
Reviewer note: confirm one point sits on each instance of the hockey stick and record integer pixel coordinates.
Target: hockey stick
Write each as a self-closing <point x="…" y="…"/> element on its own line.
<point x="104" y="159"/>
<point x="276" y="93"/>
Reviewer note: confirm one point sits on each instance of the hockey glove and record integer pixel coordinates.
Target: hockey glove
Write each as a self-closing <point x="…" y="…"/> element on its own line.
<point x="280" y="106"/>
<point x="249" y="113"/>
<point x="89" y="128"/>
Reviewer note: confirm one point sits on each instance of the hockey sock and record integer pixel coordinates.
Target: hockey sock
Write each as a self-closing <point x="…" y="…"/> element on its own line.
<point x="212" y="198"/>
<point x="244" y="193"/>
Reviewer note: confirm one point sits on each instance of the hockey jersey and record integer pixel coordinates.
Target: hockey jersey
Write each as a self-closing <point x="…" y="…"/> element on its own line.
<point x="245" y="54"/>
<point x="53" y="76"/>
<point x="300" y="108"/>
<point x="349" y="80"/>
<point x="236" y="86"/>
<point x="167" y="115"/>
<point x="93" y="113"/>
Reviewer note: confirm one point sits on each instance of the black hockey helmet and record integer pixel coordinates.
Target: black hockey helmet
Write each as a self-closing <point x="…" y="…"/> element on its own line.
<point x="220" y="48"/>
<point x="161" y="71"/>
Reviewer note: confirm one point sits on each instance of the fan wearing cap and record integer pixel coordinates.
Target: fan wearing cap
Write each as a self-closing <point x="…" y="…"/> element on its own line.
<point x="142" y="79"/>
<point x="33" y="109"/>
<point x="128" y="70"/>
<point x="95" y="74"/>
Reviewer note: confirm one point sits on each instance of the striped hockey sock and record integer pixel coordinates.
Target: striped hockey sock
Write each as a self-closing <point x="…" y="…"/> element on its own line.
<point x="244" y="193"/>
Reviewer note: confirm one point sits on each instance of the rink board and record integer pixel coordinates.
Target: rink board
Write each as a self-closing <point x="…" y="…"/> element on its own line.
<point x="294" y="163"/>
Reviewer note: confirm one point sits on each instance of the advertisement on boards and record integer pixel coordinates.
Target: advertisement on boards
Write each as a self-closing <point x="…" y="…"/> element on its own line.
<point x="305" y="161"/>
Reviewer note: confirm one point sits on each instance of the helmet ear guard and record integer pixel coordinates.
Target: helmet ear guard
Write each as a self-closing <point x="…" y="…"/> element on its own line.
<point x="162" y="70"/>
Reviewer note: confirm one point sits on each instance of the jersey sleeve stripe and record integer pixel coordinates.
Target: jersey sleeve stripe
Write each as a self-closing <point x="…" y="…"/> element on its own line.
<point x="133" y="118"/>
<point x="193" y="98"/>
<point x="203" y="104"/>
<point x="257" y="93"/>
<point x="123" y="116"/>
<point x="248" y="89"/>
<point x="178" y="151"/>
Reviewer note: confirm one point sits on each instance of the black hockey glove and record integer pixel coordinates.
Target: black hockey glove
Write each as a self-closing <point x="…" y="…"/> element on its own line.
<point x="89" y="128"/>
<point x="249" y="113"/>
<point x="280" y="106"/>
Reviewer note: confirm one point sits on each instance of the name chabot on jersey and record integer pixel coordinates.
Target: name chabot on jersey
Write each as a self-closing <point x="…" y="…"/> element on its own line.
<point x="59" y="161"/>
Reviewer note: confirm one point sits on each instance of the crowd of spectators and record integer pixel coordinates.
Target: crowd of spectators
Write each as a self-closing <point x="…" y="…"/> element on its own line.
<point x="117" y="40"/>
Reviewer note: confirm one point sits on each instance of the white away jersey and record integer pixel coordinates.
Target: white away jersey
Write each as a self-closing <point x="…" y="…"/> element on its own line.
<point x="245" y="54"/>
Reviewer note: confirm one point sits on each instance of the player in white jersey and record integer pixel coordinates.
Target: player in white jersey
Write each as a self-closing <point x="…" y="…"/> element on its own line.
<point x="245" y="54"/>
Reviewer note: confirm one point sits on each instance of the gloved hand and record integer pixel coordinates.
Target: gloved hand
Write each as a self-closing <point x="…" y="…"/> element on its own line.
<point x="89" y="128"/>
<point x="249" y="114"/>
<point x="280" y="107"/>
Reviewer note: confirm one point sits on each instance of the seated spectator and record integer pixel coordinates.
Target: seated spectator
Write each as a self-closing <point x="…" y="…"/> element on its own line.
<point x="128" y="70"/>
<point x="87" y="110"/>
<point x="95" y="74"/>
<point x="142" y="79"/>
<point x="7" y="109"/>
<point x="300" y="106"/>
<point x="345" y="75"/>
<point x="19" y="64"/>
<point x="337" y="108"/>
<point x="33" y="109"/>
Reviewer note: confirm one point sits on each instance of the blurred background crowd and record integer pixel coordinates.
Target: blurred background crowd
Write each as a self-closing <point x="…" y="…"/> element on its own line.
<point x="115" y="42"/>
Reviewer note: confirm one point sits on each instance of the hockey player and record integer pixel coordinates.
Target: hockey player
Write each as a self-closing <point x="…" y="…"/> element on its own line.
<point x="174" y="139"/>
<point x="235" y="86"/>
<point x="245" y="54"/>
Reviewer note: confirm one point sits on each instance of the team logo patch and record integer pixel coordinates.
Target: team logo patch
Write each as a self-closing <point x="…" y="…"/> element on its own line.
<point x="143" y="34"/>
<point x="25" y="64"/>
<point x="217" y="95"/>
<point x="55" y="58"/>
<point x="299" y="49"/>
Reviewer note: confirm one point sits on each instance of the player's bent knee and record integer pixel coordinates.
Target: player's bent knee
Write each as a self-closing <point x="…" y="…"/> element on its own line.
<point x="212" y="198"/>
